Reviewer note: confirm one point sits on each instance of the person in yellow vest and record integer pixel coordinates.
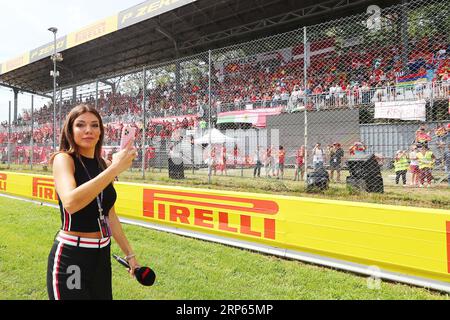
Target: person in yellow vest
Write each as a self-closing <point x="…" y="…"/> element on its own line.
<point x="426" y="162"/>
<point x="401" y="164"/>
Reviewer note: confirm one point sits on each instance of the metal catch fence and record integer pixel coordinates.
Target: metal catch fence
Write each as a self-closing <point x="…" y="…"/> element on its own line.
<point x="361" y="101"/>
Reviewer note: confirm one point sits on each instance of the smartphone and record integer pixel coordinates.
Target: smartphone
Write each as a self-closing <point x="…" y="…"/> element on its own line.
<point x="128" y="134"/>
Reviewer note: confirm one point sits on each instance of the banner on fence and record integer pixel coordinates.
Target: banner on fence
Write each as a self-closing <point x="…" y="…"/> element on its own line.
<point x="173" y="119"/>
<point x="256" y="117"/>
<point x="403" y="110"/>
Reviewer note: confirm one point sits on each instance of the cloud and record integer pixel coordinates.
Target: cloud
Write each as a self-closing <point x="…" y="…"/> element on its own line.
<point x="74" y="16"/>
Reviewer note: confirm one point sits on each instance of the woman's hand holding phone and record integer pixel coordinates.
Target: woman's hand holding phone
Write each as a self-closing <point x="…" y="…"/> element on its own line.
<point x="123" y="159"/>
<point x="128" y="133"/>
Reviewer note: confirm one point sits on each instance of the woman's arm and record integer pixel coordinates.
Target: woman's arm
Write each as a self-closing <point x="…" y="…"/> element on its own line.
<point x="72" y="197"/>
<point x="118" y="234"/>
<point x="75" y="198"/>
<point x="121" y="239"/>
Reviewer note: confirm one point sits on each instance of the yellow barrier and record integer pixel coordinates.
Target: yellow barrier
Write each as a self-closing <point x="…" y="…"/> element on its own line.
<point x="405" y="240"/>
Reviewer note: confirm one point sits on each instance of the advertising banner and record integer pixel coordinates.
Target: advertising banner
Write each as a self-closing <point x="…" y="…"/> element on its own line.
<point x="257" y="117"/>
<point x="47" y="50"/>
<point x="147" y="10"/>
<point x="172" y="119"/>
<point x="403" y="110"/>
<point x="125" y="18"/>
<point x="16" y="62"/>
<point x="411" y="241"/>
<point x="93" y="31"/>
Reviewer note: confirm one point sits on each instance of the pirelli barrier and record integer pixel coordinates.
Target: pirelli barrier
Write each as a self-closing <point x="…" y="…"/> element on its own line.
<point x="407" y="244"/>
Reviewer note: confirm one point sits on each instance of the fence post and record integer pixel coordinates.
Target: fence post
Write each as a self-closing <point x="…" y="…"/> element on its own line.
<point x="96" y="95"/>
<point x="32" y="132"/>
<point x="9" y="136"/>
<point x="404" y="33"/>
<point x="209" y="106"/>
<point x="305" y="79"/>
<point x="431" y="85"/>
<point x="144" y="85"/>
<point x="60" y="107"/>
<point x="192" y="155"/>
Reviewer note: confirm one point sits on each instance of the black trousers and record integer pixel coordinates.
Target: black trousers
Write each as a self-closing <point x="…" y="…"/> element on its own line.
<point x="401" y="173"/>
<point x="77" y="273"/>
<point x="257" y="170"/>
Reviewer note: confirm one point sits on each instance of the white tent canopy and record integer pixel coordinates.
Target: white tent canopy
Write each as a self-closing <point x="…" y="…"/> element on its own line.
<point x="216" y="137"/>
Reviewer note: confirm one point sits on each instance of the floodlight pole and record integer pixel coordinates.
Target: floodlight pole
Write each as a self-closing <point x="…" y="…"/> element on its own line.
<point x="32" y="132"/>
<point x="9" y="136"/>
<point x="144" y="87"/>
<point x="305" y="79"/>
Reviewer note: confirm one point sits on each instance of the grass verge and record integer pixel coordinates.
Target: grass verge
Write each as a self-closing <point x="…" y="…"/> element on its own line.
<point x="186" y="268"/>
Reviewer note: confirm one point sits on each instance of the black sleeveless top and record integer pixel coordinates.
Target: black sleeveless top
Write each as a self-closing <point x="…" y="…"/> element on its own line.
<point x="85" y="219"/>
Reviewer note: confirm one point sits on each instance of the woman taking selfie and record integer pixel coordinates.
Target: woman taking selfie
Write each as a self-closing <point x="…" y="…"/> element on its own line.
<point x="79" y="264"/>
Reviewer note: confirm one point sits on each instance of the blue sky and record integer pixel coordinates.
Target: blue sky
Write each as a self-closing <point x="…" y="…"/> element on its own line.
<point x="24" y="25"/>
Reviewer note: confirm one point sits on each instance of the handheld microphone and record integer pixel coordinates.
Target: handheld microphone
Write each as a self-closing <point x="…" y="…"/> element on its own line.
<point x="144" y="275"/>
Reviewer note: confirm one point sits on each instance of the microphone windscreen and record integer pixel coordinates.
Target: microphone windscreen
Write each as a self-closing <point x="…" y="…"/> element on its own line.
<point x="145" y="276"/>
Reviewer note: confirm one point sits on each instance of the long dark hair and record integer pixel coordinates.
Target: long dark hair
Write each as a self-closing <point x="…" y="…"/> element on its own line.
<point x="67" y="142"/>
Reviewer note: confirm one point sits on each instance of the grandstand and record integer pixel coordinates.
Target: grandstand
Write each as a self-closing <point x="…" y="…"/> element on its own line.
<point x="369" y="71"/>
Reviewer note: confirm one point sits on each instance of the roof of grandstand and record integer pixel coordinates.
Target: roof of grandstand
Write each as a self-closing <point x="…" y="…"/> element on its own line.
<point x="156" y="31"/>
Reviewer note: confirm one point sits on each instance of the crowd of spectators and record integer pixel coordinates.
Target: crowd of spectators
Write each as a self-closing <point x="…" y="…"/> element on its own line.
<point x="42" y="135"/>
<point x="357" y="77"/>
<point x="333" y="80"/>
<point x="166" y="130"/>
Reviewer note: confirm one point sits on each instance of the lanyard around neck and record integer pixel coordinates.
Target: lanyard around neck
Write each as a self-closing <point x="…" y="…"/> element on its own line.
<point x="99" y="201"/>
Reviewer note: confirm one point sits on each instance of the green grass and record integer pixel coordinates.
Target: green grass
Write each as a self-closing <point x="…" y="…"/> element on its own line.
<point x="186" y="268"/>
<point x="436" y="197"/>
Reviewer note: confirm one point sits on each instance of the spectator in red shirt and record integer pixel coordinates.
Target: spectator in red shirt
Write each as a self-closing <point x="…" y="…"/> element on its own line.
<point x="280" y="162"/>
<point x="423" y="137"/>
<point x="235" y="154"/>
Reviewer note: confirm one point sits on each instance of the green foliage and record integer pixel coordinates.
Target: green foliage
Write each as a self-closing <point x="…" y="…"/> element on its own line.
<point x="429" y="20"/>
